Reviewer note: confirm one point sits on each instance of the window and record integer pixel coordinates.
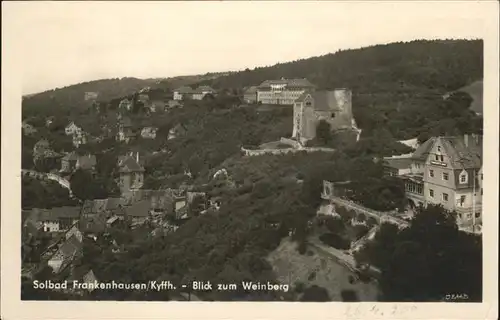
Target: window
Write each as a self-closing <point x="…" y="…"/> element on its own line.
<point x="445" y="176"/>
<point x="462" y="200"/>
<point x="441" y="158"/>
<point x="445" y="197"/>
<point x="463" y="178"/>
<point x="431" y="173"/>
<point x="333" y="114"/>
<point x="481" y="176"/>
<point x="439" y="148"/>
<point x="481" y="191"/>
<point x="469" y="215"/>
<point x="478" y="214"/>
<point x="431" y="193"/>
<point x="437" y="157"/>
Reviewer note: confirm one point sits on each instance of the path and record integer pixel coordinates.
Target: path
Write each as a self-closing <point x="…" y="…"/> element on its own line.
<point x="54" y="177"/>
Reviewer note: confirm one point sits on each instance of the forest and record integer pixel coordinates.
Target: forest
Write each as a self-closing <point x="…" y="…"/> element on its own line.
<point x="397" y="86"/>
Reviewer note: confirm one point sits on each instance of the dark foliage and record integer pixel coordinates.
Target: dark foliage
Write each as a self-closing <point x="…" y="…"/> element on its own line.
<point x="428" y="260"/>
<point x="397" y="86"/>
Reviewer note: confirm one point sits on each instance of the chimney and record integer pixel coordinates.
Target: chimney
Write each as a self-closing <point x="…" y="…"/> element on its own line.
<point x="466" y="140"/>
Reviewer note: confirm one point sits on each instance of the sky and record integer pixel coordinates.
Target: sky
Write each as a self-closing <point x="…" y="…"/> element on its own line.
<point x="64" y="43"/>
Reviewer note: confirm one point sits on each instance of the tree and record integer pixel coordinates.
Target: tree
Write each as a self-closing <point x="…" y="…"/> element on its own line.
<point x="323" y="132"/>
<point x="315" y="293"/>
<point x="427" y="260"/>
<point x="86" y="187"/>
<point x="335" y="225"/>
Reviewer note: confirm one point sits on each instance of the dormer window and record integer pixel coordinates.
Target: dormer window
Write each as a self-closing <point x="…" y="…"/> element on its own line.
<point x="463" y="176"/>
<point x="308" y="103"/>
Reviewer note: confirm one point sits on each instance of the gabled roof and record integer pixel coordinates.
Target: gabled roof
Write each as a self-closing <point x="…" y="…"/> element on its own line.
<point x="138" y="209"/>
<point x="93" y="224"/>
<point x="72" y="156"/>
<point x="296" y="83"/>
<point x="323" y="100"/>
<point x="423" y="150"/>
<point x="54" y="213"/>
<point x="251" y="90"/>
<point x="102" y="205"/>
<point x="184" y="89"/>
<point x="70" y="247"/>
<point x="398" y="163"/>
<point x="87" y="161"/>
<point x="462" y="152"/>
<point x="206" y="88"/>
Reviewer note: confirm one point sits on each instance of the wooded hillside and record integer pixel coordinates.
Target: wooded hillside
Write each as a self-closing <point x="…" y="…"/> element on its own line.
<point x="398" y="86"/>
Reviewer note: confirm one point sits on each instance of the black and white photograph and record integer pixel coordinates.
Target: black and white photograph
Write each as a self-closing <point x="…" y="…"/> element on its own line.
<point x="252" y="152"/>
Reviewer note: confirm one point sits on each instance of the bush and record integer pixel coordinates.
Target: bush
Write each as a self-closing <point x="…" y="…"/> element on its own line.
<point x="349" y="296"/>
<point x="335" y="225"/>
<point x="335" y="241"/>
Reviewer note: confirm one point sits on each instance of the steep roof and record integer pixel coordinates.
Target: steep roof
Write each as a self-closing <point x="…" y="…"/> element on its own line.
<point x="138" y="209"/>
<point x="398" y="163"/>
<point x="296" y="83"/>
<point x="129" y="164"/>
<point x="73" y="156"/>
<point x="251" y="90"/>
<point x="423" y="150"/>
<point x="184" y="89"/>
<point x="205" y="88"/>
<point x="463" y="151"/>
<point x="87" y="161"/>
<point x="70" y="247"/>
<point x="54" y="213"/>
<point x="325" y="101"/>
<point x="102" y="205"/>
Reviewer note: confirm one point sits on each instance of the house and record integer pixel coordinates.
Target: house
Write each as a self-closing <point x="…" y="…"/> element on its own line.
<point x="310" y="108"/>
<point x="91" y="96"/>
<point x="72" y="129"/>
<point x="49" y="121"/>
<point x="173" y="104"/>
<point x="176" y="131"/>
<point x="201" y="92"/>
<point x="72" y="161"/>
<point x="143" y="97"/>
<point x="74" y="231"/>
<point x="96" y="214"/>
<point x="250" y="95"/>
<point x="85" y="278"/>
<point x="447" y="171"/>
<point x="28" y="129"/>
<point x="55" y="219"/>
<point x="40" y="148"/>
<point x="125" y="130"/>
<point x="283" y="91"/>
<point x="183" y="93"/>
<point x="125" y="104"/>
<point x="149" y="132"/>
<point x="397" y="166"/>
<point x="70" y="250"/>
<point x="131" y="173"/>
<point x="157" y="105"/>
<point x="79" y="136"/>
<point x="138" y="212"/>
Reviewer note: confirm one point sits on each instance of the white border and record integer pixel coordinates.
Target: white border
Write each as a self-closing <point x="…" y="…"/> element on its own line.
<point x="13" y="308"/>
